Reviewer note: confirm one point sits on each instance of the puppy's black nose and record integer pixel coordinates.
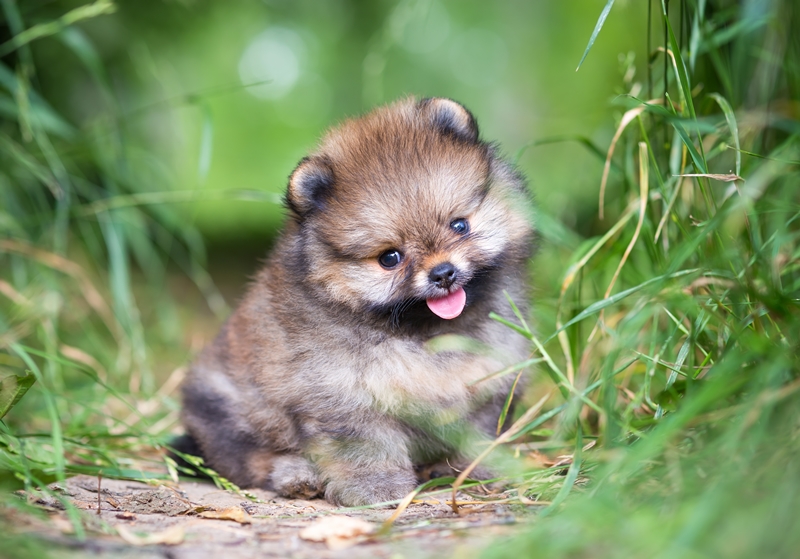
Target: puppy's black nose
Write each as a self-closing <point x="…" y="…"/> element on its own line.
<point x="443" y="275"/>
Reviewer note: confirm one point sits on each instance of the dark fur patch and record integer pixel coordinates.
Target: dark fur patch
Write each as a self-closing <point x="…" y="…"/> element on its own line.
<point x="310" y="184"/>
<point x="223" y="445"/>
<point x="448" y="119"/>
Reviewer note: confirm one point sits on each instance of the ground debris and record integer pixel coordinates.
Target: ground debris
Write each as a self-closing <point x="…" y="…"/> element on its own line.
<point x="338" y="531"/>
<point x="162" y="500"/>
<point x="171" y="536"/>
<point x="230" y="513"/>
<point x="199" y="521"/>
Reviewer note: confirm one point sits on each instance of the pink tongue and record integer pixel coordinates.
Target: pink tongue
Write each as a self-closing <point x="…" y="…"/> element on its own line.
<point x="449" y="306"/>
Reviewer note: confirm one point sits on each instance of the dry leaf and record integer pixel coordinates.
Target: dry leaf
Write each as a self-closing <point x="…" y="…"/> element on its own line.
<point x="170" y="536"/>
<point x="63" y="525"/>
<point x="231" y="513"/>
<point x="338" y="532"/>
<point x="730" y="177"/>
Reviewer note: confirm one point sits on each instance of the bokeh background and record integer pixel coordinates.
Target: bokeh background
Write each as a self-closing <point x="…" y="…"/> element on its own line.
<point x="228" y="96"/>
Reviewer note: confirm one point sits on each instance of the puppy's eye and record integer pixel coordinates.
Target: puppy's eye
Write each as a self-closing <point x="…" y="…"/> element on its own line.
<point x="460" y="226"/>
<point x="390" y="258"/>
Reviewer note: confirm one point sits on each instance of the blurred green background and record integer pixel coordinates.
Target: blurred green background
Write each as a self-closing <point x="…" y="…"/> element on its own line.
<point x="230" y="95"/>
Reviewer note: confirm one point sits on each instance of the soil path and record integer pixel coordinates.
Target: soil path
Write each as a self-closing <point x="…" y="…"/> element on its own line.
<point x="198" y="521"/>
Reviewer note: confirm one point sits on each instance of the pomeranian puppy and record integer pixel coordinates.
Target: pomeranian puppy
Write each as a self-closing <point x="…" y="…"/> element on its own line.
<point x="404" y="226"/>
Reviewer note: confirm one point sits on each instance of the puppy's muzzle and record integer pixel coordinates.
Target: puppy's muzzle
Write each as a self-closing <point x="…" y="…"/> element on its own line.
<point x="443" y="275"/>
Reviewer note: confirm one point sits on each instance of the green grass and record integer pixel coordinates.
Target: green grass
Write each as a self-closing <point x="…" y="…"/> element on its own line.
<point x="684" y="314"/>
<point x="71" y="330"/>
<point x="669" y="342"/>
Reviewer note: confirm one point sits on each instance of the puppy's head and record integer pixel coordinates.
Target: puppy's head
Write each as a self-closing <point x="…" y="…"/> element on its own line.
<point x="407" y="206"/>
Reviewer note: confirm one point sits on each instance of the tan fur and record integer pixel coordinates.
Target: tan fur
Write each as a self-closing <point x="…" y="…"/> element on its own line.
<point x="321" y="381"/>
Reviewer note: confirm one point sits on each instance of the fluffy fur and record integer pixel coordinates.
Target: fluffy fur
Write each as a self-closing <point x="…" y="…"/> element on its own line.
<point x="322" y="381"/>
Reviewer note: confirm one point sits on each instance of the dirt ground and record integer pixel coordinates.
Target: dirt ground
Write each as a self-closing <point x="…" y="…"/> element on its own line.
<point x="196" y="520"/>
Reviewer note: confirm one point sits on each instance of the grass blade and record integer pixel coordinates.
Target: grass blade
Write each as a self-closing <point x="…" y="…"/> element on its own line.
<point x="572" y="475"/>
<point x="680" y="67"/>
<point x="100" y="7"/>
<point x="12" y="389"/>
<point x="598" y="26"/>
<point x="598" y="306"/>
<point x="730" y="117"/>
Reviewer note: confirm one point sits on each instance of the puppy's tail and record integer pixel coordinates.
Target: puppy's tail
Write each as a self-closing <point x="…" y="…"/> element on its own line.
<point x="186" y="445"/>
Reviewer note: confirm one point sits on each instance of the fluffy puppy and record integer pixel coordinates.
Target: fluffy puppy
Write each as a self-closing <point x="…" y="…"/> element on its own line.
<point x="404" y="226"/>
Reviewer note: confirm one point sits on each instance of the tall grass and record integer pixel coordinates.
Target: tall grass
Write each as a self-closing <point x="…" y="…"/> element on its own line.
<point x="85" y="256"/>
<point x="679" y="320"/>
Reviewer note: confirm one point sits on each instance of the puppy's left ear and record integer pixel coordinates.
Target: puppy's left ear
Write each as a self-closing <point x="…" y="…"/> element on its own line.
<point x="450" y="117"/>
<point x="310" y="184"/>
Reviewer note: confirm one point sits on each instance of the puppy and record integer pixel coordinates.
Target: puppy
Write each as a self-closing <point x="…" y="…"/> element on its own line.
<point x="404" y="226"/>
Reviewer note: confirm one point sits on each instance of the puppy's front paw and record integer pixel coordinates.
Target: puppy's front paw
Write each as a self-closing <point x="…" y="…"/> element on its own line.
<point x="378" y="487"/>
<point x="294" y="477"/>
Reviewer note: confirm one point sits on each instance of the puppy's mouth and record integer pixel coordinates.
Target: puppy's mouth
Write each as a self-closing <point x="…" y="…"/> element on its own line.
<point x="449" y="306"/>
<point x="438" y="303"/>
<point x="446" y="296"/>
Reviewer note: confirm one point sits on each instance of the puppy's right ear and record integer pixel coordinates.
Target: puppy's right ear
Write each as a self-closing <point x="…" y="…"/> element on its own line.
<point x="310" y="184"/>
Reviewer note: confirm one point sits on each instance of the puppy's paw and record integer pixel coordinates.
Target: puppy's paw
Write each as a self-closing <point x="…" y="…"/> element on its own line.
<point x="364" y="489"/>
<point x="294" y="477"/>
